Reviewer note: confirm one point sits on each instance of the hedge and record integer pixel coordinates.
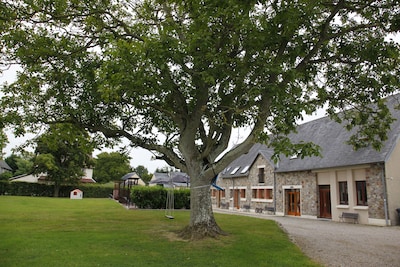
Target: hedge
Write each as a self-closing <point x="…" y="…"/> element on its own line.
<point x="35" y="189"/>
<point x="144" y="197"/>
<point x="155" y="197"/>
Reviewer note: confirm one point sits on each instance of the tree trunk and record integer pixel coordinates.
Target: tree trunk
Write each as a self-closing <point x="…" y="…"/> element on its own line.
<point x="56" y="189"/>
<point x="202" y="223"/>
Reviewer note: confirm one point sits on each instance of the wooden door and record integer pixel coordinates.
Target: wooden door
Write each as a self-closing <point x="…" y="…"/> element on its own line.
<point x="293" y="206"/>
<point x="325" y="210"/>
<point x="236" y="195"/>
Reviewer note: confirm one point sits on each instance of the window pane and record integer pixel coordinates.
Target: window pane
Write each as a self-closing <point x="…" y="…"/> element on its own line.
<point x="261" y="193"/>
<point x="361" y="187"/>
<point x="261" y="175"/>
<point x="269" y="194"/>
<point x="343" y="195"/>
<point x="243" y="193"/>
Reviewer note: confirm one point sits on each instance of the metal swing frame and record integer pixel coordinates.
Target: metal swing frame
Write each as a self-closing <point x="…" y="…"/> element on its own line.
<point x="169" y="206"/>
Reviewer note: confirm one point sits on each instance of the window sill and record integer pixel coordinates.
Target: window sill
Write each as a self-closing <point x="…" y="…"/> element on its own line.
<point x="261" y="200"/>
<point x="342" y="206"/>
<point x="361" y="207"/>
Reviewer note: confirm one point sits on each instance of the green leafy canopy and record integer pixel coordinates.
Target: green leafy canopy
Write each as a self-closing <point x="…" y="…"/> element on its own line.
<point x="176" y="77"/>
<point x="62" y="152"/>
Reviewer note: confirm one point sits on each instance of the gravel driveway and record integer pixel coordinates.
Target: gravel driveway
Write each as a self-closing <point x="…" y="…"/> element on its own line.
<point x="340" y="244"/>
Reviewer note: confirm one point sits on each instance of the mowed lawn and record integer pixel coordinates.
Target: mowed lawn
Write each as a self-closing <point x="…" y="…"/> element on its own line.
<point x="100" y="232"/>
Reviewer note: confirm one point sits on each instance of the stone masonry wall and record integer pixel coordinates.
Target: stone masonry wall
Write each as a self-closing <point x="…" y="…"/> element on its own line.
<point x="375" y="192"/>
<point x="307" y="180"/>
<point x="308" y="191"/>
<point x="248" y="182"/>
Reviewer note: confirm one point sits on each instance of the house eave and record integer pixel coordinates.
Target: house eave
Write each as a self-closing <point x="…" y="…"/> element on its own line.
<point x="330" y="168"/>
<point x="242" y="175"/>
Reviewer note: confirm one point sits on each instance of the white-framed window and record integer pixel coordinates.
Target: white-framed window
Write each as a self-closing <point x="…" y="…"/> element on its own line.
<point x="261" y="193"/>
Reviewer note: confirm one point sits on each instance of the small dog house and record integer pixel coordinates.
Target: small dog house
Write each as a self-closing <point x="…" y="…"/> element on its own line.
<point x="76" y="194"/>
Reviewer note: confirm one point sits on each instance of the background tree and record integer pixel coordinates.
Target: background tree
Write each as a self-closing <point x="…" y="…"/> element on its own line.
<point x="12" y="161"/>
<point x="164" y="169"/>
<point x="6" y="175"/>
<point x="175" y="77"/>
<point x="62" y="153"/>
<point x="3" y="142"/>
<point x="21" y="163"/>
<point x="143" y="173"/>
<point x="110" y="167"/>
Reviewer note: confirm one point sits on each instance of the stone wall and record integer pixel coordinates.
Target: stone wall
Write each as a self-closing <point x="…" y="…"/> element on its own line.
<point x="308" y="191"/>
<point x="248" y="182"/>
<point x="375" y="192"/>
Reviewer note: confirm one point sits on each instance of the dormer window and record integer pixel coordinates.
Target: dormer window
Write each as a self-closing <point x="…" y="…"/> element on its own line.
<point x="294" y="156"/>
<point x="227" y="169"/>
<point x="245" y="169"/>
<point x="235" y="170"/>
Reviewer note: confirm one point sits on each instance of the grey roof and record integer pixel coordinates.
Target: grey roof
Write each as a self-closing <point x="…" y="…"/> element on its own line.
<point x="240" y="166"/>
<point x="332" y="139"/>
<point x="5" y="166"/>
<point x="131" y="175"/>
<point x="164" y="178"/>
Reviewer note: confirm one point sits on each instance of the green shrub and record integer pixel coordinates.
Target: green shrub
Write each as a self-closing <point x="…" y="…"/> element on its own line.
<point x="29" y="189"/>
<point x="5" y="176"/>
<point x="3" y="187"/>
<point x="155" y="197"/>
<point x="149" y="197"/>
<point x="35" y="189"/>
<point x="95" y="190"/>
<point x="182" y="199"/>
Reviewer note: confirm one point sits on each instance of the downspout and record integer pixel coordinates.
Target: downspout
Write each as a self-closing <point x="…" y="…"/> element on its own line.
<point x="233" y="192"/>
<point x="385" y="207"/>
<point x="274" y="189"/>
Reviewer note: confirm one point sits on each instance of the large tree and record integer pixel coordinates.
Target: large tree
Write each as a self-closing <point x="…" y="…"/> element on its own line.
<point x="111" y="167"/>
<point x="175" y="77"/>
<point x="62" y="152"/>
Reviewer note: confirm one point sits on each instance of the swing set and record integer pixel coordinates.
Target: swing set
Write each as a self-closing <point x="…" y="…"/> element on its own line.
<point x="169" y="206"/>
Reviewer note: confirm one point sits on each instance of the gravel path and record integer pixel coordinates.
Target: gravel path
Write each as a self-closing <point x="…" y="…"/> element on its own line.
<point x="341" y="244"/>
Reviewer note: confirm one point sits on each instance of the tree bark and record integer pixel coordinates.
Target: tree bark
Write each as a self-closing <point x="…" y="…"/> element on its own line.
<point x="202" y="222"/>
<point x="56" y="191"/>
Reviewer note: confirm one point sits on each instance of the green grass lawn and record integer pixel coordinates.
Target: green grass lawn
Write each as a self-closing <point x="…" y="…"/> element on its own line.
<point x="100" y="232"/>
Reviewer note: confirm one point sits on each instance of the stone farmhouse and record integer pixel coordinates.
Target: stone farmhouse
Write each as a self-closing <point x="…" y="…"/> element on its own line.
<point x="363" y="182"/>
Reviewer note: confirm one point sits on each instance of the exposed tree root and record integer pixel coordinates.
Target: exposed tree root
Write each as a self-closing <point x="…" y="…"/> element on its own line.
<point x="201" y="231"/>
